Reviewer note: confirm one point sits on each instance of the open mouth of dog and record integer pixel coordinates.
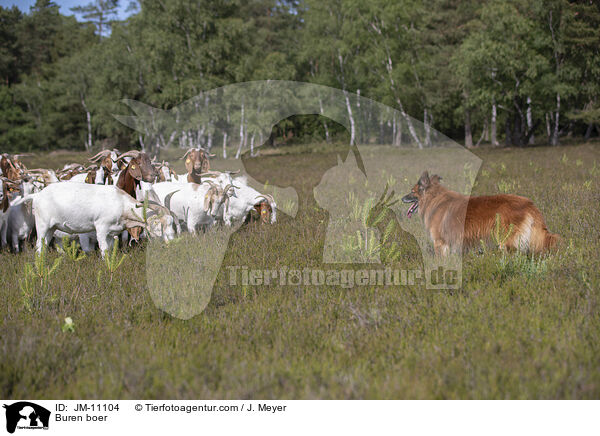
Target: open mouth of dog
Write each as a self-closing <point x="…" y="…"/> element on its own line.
<point x="414" y="204"/>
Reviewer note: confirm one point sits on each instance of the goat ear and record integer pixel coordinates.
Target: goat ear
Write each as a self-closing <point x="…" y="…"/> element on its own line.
<point x="107" y="163"/>
<point x="189" y="165"/>
<point x="207" y="199"/>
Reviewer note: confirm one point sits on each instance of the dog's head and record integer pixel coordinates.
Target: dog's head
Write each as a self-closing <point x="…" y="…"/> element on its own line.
<point x="418" y="191"/>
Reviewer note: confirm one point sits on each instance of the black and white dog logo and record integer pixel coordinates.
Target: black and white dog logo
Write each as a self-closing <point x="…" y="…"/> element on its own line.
<point x="26" y="415"/>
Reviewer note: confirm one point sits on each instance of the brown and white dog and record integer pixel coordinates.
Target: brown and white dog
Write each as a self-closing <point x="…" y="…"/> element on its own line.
<point x="455" y="221"/>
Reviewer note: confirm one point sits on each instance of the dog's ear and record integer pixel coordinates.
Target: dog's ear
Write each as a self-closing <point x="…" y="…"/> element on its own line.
<point x="435" y="179"/>
<point x="424" y="180"/>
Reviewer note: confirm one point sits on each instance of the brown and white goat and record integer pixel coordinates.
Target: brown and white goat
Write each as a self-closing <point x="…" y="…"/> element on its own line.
<point x="263" y="210"/>
<point x="69" y="171"/>
<point x="196" y="163"/>
<point x="12" y="168"/>
<point x="107" y="160"/>
<point x="165" y="172"/>
<point x="138" y="169"/>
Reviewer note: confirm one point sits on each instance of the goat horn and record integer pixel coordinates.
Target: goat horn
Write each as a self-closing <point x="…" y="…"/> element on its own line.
<point x="131" y="153"/>
<point x="267" y="197"/>
<point x="210" y="173"/>
<point x="211" y="183"/>
<point x="232" y="172"/>
<point x="206" y="151"/>
<point x="156" y="206"/>
<point x="168" y="199"/>
<point x="187" y="152"/>
<point x="230" y="185"/>
<point x="70" y="167"/>
<point x="100" y="155"/>
<point x="168" y="205"/>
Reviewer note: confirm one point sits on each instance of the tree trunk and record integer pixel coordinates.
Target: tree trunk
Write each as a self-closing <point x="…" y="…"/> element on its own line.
<point x="494" y="135"/>
<point x="554" y="140"/>
<point x="225" y="145"/>
<point x="427" y="122"/>
<point x="398" y="137"/>
<point x="468" y="134"/>
<point x="530" y="122"/>
<point x="588" y="131"/>
<point x="517" y="137"/>
<point x="483" y="133"/>
<point x="252" y="145"/>
<point x="88" y="117"/>
<point x="239" y="150"/>
<point x="359" y="117"/>
<point x="209" y="141"/>
<point x="351" y="118"/>
<point x="508" y="131"/>
<point x="411" y="127"/>
<point x="327" y="139"/>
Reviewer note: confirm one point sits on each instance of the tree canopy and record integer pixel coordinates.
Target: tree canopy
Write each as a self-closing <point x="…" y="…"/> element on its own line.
<point x="501" y="71"/>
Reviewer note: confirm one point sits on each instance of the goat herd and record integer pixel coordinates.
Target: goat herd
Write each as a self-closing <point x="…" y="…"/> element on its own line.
<point x="126" y="195"/>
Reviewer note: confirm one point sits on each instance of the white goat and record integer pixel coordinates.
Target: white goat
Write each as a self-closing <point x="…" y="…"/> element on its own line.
<point x="82" y="208"/>
<point x="19" y="221"/>
<point x="194" y="204"/>
<point x="245" y="199"/>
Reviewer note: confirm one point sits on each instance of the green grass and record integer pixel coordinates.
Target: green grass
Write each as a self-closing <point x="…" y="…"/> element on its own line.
<point x="518" y="328"/>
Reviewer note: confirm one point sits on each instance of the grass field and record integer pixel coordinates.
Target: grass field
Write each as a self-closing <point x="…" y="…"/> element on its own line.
<point x="518" y="327"/>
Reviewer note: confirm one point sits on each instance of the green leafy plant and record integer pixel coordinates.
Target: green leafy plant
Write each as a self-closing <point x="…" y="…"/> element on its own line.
<point x="35" y="283"/>
<point x="507" y="186"/>
<point x="470" y="176"/>
<point x="524" y="265"/>
<point x="498" y="235"/>
<point x="113" y="261"/>
<point x="71" y="250"/>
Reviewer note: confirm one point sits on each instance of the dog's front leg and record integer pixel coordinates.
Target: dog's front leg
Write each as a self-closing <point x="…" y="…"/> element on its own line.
<point x="441" y="248"/>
